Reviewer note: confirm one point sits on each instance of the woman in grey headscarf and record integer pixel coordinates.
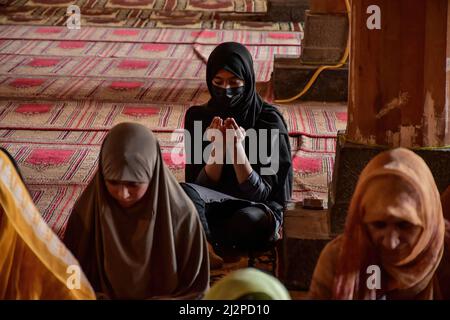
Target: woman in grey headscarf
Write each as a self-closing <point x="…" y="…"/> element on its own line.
<point x="134" y="231"/>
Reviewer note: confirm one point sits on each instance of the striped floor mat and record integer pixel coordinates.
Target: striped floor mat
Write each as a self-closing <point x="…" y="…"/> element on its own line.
<point x="170" y="36"/>
<point x="61" y="91"/>
<point x="149" y="50"/>
<point x="57" y="165"/>
<point x="188" y="14"/>
<point x="311" y="120"/>
<point x="157" y="5"/>
<point x="121" y="68"/>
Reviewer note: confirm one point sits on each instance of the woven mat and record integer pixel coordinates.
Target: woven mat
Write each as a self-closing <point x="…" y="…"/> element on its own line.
<point x="92" y="59"/>
<point x="312" y="144"/>
<point x="157" y="5"/>
<point x="88" y="115"/>
<point x="188" y="14"/>
<point x="93" y="68"/>
<point x="77" y="48"/>
<point x="63" y="162"/>
<point x="58" y="100"/>
<point x="171" y="36"/>
<point x="57" y="163"/>
<point x="152" y="20"/>
<point x="131" y="90"/>
<point x="319" y="120"/>
<point x="308" y="120"/>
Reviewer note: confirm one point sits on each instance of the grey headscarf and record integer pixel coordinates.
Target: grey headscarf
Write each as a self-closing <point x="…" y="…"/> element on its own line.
<point x="156" y="248"/>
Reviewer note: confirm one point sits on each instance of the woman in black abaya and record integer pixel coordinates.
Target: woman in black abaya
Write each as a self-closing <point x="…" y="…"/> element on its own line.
<point x="240" y="202"/>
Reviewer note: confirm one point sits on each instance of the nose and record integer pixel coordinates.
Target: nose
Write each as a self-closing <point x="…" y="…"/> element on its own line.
<point x="123" y="193"/>
<point x="391" y="240"/>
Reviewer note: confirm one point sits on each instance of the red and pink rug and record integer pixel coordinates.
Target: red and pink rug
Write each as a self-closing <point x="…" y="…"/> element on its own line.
<point x="169" y="36"/>
<point x="187" y="14"/>
<point x="311" y="120"/>
<point x="57" y="165"/>
<point x="61" y="91"/>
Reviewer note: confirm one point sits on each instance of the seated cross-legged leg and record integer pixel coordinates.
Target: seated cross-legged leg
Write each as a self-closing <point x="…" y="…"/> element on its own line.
<point x="248" y="229"/>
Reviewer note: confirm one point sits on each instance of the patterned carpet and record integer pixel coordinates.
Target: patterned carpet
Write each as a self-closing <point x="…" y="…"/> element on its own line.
<point x="61" y="91"/>
<point x="170" y="36"/>
<point x="188" y="14"/>
<point x="69" y="159"/>
<point x="310" y="120"/>
<point x="57" y="166"/>
<point x="79" y="84"/>
<point x="252" y="6"/>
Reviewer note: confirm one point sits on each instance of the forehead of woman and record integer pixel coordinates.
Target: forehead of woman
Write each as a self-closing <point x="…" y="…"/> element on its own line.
<point x="232" y="57"/>
<point x="129" y="153"/>
<point x="391" y="197"/>
<point x="404" y="164"/>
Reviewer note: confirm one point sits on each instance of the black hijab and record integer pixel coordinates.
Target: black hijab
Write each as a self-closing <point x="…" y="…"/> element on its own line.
<point x="235" y="58"/>
<point x="249" y="111"/>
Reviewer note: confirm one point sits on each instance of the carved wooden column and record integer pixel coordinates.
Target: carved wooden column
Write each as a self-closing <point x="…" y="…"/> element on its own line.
<point x="399" y="92"/>
<point x="399" y="74"/>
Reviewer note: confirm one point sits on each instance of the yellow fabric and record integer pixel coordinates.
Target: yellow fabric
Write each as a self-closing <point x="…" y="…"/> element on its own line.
<point x="247" y="281"/>
<point x="415" y="274"/>
<point x="33" y="261"/>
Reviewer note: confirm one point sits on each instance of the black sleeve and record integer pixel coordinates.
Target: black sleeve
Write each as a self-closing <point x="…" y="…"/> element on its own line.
<point x="255" y="188"/>
<point x="280" y="182"/>
<point x="193" y="168"/>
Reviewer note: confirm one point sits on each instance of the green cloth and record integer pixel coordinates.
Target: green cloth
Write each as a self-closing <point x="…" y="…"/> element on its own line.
<point x="248" y="282"/>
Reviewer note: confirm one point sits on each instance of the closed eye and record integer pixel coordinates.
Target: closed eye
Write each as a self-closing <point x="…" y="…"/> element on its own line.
<point x="379" y="224"/>
<point x="113" y="182"/>
<point x="404" y="225"/>
<point x="218" y="81"/>
<point x="236" y="83"/>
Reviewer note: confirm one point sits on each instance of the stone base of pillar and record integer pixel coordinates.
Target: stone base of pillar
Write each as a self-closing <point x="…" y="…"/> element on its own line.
<point x="325" y="38"/>
<point x="287" y="10"/>
<point x="305" y="233"/>
<point x="290" y="76"/>
<point x="351" y="160"/>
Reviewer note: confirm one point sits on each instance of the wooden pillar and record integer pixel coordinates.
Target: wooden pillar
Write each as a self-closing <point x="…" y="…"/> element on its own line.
<point x="399" y="88"/>
<point x="447" y="76"/>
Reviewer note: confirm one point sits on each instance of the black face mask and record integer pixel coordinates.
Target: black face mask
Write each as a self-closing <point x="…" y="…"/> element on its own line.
<point x="229" y="96"/>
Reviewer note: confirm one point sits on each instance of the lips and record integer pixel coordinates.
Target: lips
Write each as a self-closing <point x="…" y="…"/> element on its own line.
<point x="395" y="255"/>
<point x="126" y="204"/>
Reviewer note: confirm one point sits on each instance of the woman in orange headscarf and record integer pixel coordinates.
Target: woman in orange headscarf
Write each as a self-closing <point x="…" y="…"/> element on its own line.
<point x="34" y="263"/>
<point x="395" y="227"/>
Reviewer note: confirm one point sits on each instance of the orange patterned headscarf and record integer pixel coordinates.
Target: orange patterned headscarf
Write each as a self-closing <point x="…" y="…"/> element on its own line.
<point x="416" y="272"/>
<point x="34" y="263"/>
